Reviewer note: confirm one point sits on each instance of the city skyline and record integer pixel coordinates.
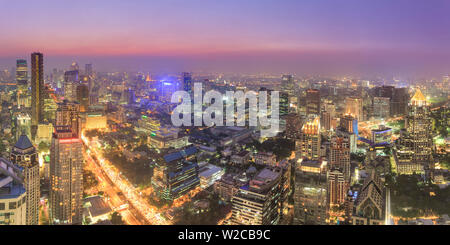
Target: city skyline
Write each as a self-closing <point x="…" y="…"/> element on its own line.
<point x="196" y="112"/>
<point x="292" y="36"/>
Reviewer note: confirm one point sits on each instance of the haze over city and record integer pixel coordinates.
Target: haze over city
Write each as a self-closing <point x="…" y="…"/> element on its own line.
<point x="384" y="37"/>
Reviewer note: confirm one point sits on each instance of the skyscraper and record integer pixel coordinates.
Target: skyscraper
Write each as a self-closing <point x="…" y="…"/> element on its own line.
<point x="287" y="84"/>
<point x="327" y="116"/>
<point x="349" y="124"/>
<point x="258" y="203"/>
<point x="337" y="187"/>
<point x="24" y="155"/>
<point x="37" y="90"/>
<point x="284" y="104"/>
<point x="22" y="83"/>
<point x="71" y="82"/>
<point x="66" y="177"/>
<point x="68" y="114"/>
<point x="187" y="82"/>
<point x="83" y="97"/>
<point x="312" y="102"/>
<point x="177" y="175"/>
<point x="88" y="70"/>
<point x="381" y="107"/>
<point x="418" y="126"/>
<point x="340" y="155"/>
<point x="309" y="142"/>
<point x="310" y="196"/>
<point x="354" y="106"/>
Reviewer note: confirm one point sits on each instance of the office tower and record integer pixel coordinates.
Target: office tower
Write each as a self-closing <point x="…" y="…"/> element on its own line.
<point x="354" y="107"/>
<point x="384" y="91"/>
<point x="371" y="202"/>
<point x="327" y="116"/>
<point x="349" y="124"/>
<point x="293" y="126"/>
<point x="350" y="137"/>
<point x="284" y="104"/>
<point x="287" y="84"/>
<point x="418" y="126"/>
<point x="22" y="83"/>
<point x="74" y="67"/>
<point x="66" y="177"/>
<point x="312" y="102"/>
<point x="258" y="203"/>
<point x="13" y="205"/>
<point x="187" y="82"/>
<point x="337" y="187"/>
<point x="88" y="70"/>
<point x="68" y="114"/>
<point x="340" y="155"/>
<point x="129" y="96"/>
<point x="177" y="175"/>
<point x="309" y="143"/>
<point x="399" y="102"/>
<point x="24" y="155"/>
<point x="381" y="107"/>
<point x="71" y="82"/>
<point x="310" y="196"/>
<point x="83" y="97"/>
<point x="37" y="90"/>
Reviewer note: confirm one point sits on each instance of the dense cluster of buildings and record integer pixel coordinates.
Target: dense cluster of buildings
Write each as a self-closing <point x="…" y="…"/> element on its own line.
<point x="319" y="182"/>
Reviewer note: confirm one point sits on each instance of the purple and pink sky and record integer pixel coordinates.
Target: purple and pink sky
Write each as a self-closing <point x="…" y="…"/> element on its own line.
<point x="243" y="35"/>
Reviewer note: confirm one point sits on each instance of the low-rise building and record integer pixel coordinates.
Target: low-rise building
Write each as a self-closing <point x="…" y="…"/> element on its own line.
<point x="12" y="195"/>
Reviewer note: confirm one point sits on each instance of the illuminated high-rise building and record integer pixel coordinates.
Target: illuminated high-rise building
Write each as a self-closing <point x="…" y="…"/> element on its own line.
<point x="284" y="104"/>
<point x="312" y="102"/>
<point x="74" y="66"/>
<point x="22" y="83"/>
<point x="287" y="84"/>
<point x="66" y="166"/>
<point x="187" y="82"/>
<point x="310" y="196"/>
<point x="37" y="90"/>
<point x="309" y="143"/>
<point x="66" y="177"/>
<point x="354" y="106"/>
<point x="68" y="114"/>
<point x="83" y="97"/>
<point x="327" y="116"/>
<point x="71" y="82"/>
<point x="24" y="155"/>
<point x="337" y="187"/>
<point x="258" y="203"/>
<point x="349" y="124"/>
<point x="340" y="155"/>
<point x="88" y="70"/>
<point x="418" y="126"/>
<point x="381" y="107"/>
<point x="177" y="175"/>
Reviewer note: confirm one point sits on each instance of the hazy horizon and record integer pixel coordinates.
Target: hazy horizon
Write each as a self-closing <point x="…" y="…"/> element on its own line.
<point x="408" y="37"/>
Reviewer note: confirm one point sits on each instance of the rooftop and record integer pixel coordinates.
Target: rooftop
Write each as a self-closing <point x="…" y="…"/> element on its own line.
<point x="23" y="143"/>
